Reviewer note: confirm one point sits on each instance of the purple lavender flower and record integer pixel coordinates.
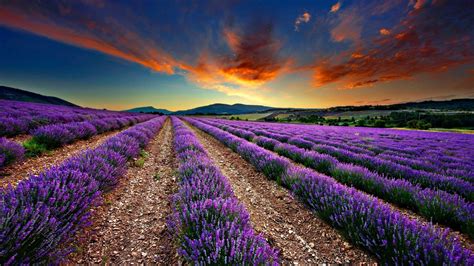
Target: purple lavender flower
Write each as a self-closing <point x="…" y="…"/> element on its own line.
<point x="211" y="226"/>
<point x="42" y="213"/>
<point x="124" y="145"/>
<point x="95" y="166"/>
<point x="10" y="152"/>
<point x="53" y="136"/>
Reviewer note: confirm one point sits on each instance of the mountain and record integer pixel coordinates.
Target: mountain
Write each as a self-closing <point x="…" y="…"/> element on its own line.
<point x="8" y="93"/>
<point x="148" y="109"/>
<point x="224" y="109"/>
<point x="213" y="109"/>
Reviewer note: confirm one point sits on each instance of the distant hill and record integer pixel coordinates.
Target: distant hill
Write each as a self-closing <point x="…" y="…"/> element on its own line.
<point x="456" y="105"/>
<point x="148" y="109"/>
<point x="213" y="109"/>
<point x="8" y="93"/>
<point x="224" y="109"/>
<point x="451" y="105"/>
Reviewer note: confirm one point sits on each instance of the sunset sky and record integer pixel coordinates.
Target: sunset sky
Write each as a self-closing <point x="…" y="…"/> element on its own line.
<point x="182" y="54"/>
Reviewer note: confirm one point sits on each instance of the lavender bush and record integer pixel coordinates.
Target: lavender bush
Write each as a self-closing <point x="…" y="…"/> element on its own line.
<point x="53" y="136"/>
<point x="124" y="145"/>
<point x="22" y="117"/>
<point x="10" y="126"/>
<point x="211" y="226"/>
<point x="10" y="152"/>
<point x="42" y="213"/>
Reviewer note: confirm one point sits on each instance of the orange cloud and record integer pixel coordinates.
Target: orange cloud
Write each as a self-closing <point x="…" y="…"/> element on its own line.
<point x="349" y="27"/>
<point x="255" y="56"/>
<point x="122" y="44"/>
<point x="384" y="31"/>
<point x="254" y="62"/>
<point x="304" y="18"/>
<point x="419" y="4"/>
<point x="431" y="39"/>
<point x="336" y="7"/>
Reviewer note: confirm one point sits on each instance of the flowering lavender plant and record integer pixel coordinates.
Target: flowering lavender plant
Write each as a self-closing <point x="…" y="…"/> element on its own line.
<point x="211" y="226"/>
<point x="10" y="152"/>
<point x="53" y="136"/>
<point x="42" y="213"/>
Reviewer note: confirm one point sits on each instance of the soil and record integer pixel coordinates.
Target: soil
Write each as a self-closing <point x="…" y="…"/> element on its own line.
<point x="20" y="138"/>
<point x="130" y="227"/>
<point x="20" y="170"/>
<point x="286" y="223"/>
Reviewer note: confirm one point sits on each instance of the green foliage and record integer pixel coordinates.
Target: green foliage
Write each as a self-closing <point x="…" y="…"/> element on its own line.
<point x="144" y="154"/>
<point x="33" y="148"/>
<point x="379" y="123"/>
<point x="312" y="119"/>
<point x="418" y="124"/>
<point x="140" y="162"/>
<point x="141" y="159"/>
<point x="361" y="123"/>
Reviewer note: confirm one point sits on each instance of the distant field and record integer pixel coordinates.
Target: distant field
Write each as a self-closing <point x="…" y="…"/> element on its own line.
<point x="358" y="114"/>
<point x="251" y="117"/>
<point x="454" y="130"/>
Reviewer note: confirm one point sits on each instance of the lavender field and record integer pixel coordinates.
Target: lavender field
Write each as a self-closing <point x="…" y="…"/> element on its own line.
<point x="332" y="132"/>
<point x="171" y="190"/>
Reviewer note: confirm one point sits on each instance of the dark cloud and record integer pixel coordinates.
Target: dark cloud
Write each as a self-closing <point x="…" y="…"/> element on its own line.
<point x="254" y="53"/>
<point x="434" y="36"/>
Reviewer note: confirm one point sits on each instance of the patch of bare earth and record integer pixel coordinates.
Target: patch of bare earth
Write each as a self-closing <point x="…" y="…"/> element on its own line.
<point x="130" y="227"/>
<point x="20" y="138"/>
<point x="287" y="224"/>
<point x="20" y="170"/>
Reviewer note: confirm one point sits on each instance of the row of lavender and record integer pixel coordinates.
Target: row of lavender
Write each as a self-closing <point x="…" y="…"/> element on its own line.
<point x="10" y="152"/>
<point x="435" y="205"/>
<point x="57" y="135"/>
<point x="365" y="220"/>
<point x="394" y="151"/>
<point x="381" y="166"/>
<point x="22" y="117"/>
<point x="39" y="217"/>
<point x="211" y="226"/>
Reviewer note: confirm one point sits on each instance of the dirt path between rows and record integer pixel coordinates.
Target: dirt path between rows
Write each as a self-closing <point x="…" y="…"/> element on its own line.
<point x="287" y="224"/>
<point x="130" y="227"/>
<point x="21" y="170"/>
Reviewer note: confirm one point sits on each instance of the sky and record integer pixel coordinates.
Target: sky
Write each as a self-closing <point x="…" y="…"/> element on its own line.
<point x="179" y="54"/>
